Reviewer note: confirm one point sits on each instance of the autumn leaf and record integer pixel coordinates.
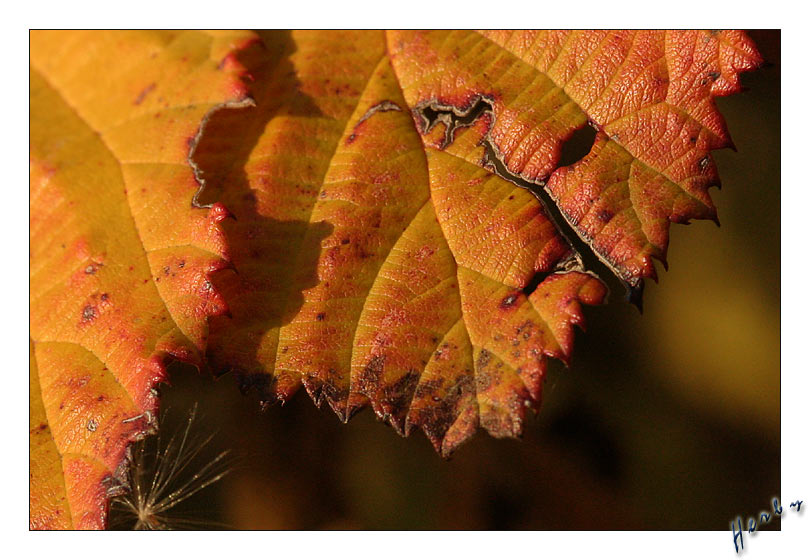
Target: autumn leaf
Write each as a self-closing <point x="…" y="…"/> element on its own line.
<point x="386" y="251"/>
<point x="389" y="246"/>
<point x="120" y="261"/>
<point x="648" y="93"/>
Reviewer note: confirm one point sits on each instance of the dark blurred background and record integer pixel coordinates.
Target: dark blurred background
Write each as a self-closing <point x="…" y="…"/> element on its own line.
<point x="666" y="420"/>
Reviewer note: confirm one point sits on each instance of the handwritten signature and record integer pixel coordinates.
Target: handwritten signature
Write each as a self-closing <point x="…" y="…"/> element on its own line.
<point x="754" y="522"/>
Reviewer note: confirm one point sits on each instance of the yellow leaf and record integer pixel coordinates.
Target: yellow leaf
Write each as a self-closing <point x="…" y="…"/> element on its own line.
<point x="380" y="257"/>
<point x="119" y="260"/>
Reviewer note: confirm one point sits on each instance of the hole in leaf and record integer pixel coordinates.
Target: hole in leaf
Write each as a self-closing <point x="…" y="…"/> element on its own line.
<point x="451" y="118"/>
<point x="538" y="277"/>
<point x="577" y="146"/>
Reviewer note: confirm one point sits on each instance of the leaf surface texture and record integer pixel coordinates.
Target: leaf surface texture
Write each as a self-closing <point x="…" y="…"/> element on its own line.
<point x="120" y="261"/>
<point x="389" y="246"/>
<point x="381" y="259"/>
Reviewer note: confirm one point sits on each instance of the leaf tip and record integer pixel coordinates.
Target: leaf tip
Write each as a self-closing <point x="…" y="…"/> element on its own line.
<point x="635" y="295"/>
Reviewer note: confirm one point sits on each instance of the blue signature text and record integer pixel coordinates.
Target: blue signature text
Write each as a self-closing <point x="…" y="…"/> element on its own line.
<point x="754" y="522"/>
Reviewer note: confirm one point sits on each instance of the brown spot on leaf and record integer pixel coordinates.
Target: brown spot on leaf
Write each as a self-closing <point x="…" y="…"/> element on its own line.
<point x="334" y="395"/>
<point x="144" y="92"/>
<point x="92" y="268"/>
<point x="483" y="359"/>
<point x="397" y="397"/>
<point x="370" y="376"/>
<point x="604" y="215"/>
<point x="88" y="313"/>
<point x="509" y="301"/>
<point x="429" y="388"/>
<point x="435" y="420"/>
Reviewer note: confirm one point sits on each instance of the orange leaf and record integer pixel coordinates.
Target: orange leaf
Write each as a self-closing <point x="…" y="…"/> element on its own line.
<point x="120" y="261"/>
<point x="382" y="259"/>
<point x="388" y="248"/>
